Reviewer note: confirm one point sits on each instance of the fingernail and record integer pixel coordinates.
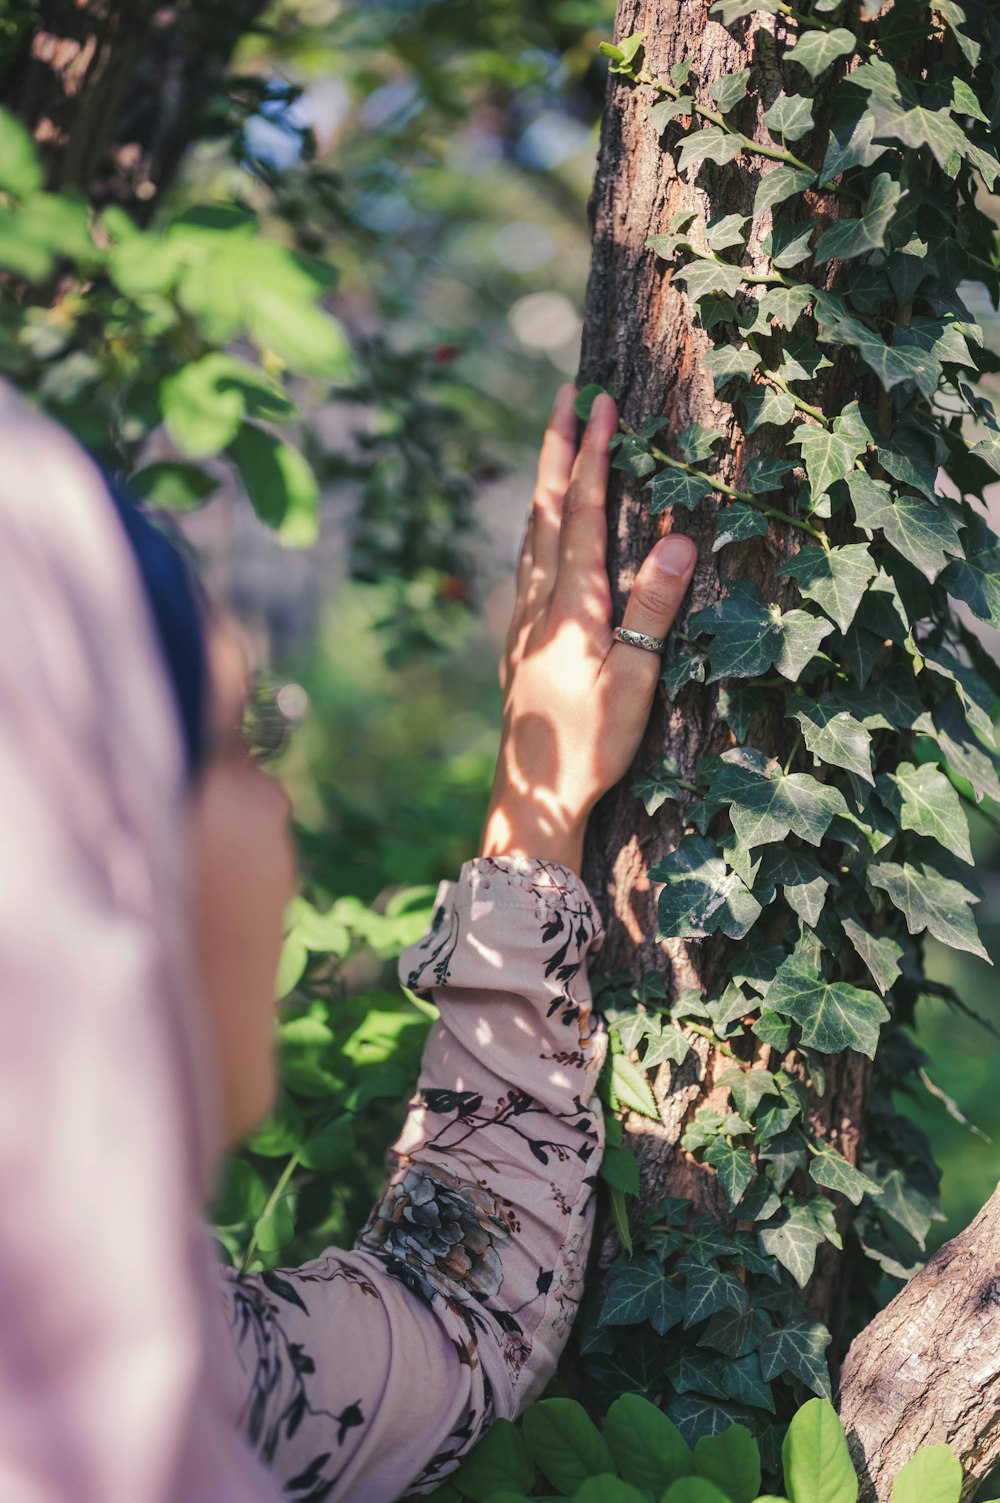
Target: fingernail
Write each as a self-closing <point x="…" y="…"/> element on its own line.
<point x="676" y="555"/>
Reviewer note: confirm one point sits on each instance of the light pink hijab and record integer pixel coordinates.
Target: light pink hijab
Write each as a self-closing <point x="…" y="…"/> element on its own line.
<point x="113" y="1357"/>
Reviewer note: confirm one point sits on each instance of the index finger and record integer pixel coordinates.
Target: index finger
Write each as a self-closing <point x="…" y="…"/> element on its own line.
<point x="583" y="538"/>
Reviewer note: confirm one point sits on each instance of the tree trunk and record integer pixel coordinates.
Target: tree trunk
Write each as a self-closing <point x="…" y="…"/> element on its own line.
<point x="927" y="1368"/>
<point x="641" y="338"/>
<point x="115" y="94"/>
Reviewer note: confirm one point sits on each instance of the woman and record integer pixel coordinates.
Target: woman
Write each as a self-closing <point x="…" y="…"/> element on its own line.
<point x="145" y="867"/>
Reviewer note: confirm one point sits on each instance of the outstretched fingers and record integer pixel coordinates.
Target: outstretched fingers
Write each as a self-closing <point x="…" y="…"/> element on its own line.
<point x="582" y="580"/>
<point x="555" y="466"/>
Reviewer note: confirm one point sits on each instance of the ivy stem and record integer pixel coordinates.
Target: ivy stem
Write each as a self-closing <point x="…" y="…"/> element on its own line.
<point x="715" y="484"/>
<point x="272" y="1200"/>
<point x="792" y="755"/>
<point x="773" y="153"/>
<point x="706" y="1033"/>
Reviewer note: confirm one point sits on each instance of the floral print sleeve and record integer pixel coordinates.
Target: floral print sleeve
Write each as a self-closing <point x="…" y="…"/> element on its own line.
<point x="368" y="1374"/>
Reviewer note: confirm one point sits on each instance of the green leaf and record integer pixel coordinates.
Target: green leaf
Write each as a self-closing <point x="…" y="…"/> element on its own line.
<point x="767" y="804"/>
<point x="701" y="895"/>
<point x="787" y="244"/>
<point x="696" y="443"/>
<point x="630" y="1087"/>
<point x="727" y="361"/>
<point x="817" y="50"/>
<point x="585" y="399"/>
<point x="832" y="1170"/>
<point x="917" y="127"/>
<point x="794" y="1241"/>
<point x="308" y="339"/>
<point x="172" y="484"/>
<point x="729" y="11"/>
<point x="836" y="578"/>
<point x="954" y="17"/>
<point x="827" y="454"/>
<point x="832" y="1014"/>
<point x="20" y="170"/>
<point x="707" y="1290"/>
<point x="976" y="578"/>
<point x="880" y="954"/>
<point x="785" y="303"/>
<point x="894" y="364"/>
<point x="730" y="89"/>
<point x="730" y="1460"/>
<point x="499" y="1461"/>
<point x="203" y="404"/>
<point x="763" y="404"/>
<point x="855" y="237"/>
<point x="790" y="116"/>
<point x="331" y="1147"/>
<point x="642" y="1291"/>
<point x="817" y="1464"/>
<point x="709" y="144"/>
<point x="734" y="1167"/>
<point x="619" y="1167"/>
<point x="661" y="114"/>
<point x="564" y="1443"/>
<point x="275" y="1229"/>
<point x="963" y="753"/>
<point x="922" y="531"/>
<point x="766" y="473"/>
<point x="738" y="522"/>
<point x="933" y="1475"/>
<point x="834" y="736"/>
<point x="748" y="637"/>
<point x="929" y="899"/>
<point x="605" y="1488"/>
<point x="802" y="360"/>
<point x="778" y="185"/>
<point x="703" y="276"/>
<point x="676" y="488"/>
<point x="923" y="800"/>
<point x="694" y="1489"/>
<point x="799" y="1348"/>
<point x="280" y="484"/>
<point x="240" y="1194"/>
<point x="647" y="1446"/>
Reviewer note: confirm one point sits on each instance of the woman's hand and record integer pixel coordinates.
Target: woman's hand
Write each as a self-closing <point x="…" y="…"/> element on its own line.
<point x="576" y="701"/>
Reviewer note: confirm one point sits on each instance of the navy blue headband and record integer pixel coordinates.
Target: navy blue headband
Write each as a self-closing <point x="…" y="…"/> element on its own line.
<point x="178" y="616"/>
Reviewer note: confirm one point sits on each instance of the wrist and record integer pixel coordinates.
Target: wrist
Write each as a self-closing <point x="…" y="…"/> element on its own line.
<point x="518" y="828"/>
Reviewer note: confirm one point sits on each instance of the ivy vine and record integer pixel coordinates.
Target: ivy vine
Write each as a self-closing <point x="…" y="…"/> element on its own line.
<point x="829" y="868"/>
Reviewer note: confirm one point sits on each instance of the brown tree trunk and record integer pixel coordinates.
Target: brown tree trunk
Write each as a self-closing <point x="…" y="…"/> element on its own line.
<point x="114" y="94"/>
<point x="642" y="338"/>
<point x="927" y="1368"/>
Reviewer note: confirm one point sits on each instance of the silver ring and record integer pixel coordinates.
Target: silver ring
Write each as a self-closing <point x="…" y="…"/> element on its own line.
<point x="638" y="639"/>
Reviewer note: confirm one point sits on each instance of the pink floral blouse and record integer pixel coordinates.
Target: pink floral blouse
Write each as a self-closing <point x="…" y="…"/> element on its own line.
<point x="369" y="1373"/>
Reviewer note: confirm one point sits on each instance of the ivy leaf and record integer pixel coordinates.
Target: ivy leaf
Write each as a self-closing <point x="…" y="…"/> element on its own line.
<point x="715" y="309"/>
<point x="836" y="578"/>
<point x="803" y="880"/>
<point x="709" y="144"/>
<point x="748" y="637"/>
<point x="708" y="1290"/>
<point x="664" y="111"/>
<point x="762" y="404"/>
<point x="794" y="1241"/>
<point x="817" y="50"/>
<point x="834" y="736"/>
<point x="701" y="895"/>
<point x="735" y="1170"/>
<point x="880" y="954"/>
<point x="737" y="704"/>
<point x="802" y="360"/>
<point x="908" y="459"/>
<point x="643" y="1292"/>
<point x="767" y="804"/>
<point x="788" y="244"/>
<point x="778" y="185"/>
<point x="726" y="233"/>
<point x="676" y="488"/>
<point x="703" y="276"/>
<point x="730" y="89"/>
<point x="729" y="360"/>
<point x="922" y="531"/>
<point x="832" y="1014"/>
<point x="923" y="800"/>
<point x="696" y="443"/>
<point x="976" y="578"/>
<point x="954" y="17"/>
<point x="766" y="473"/>
<point x="790" y="116"/>
<point x="894" y="364"/>
<point x="855" y="237"/>
<point x="737" y="523"/>
<point x="798" y="1348"/>
<point x="729" y="11"/>
<point x="827" y="454"/>
<point x="671" y="1043"/>
<point x="975" y="694"/>
<point x="931" y="899"/>
<point x="785" y="303"/>
<point x="851" y="142"/>
<point x="962" y="751"/>
<point x="831" y="1170"/>
<point x="917" y="127"/>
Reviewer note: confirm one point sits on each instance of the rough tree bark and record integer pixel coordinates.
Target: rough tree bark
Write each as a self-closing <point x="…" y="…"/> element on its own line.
<point x="114" y="94"/>
<point x="641" y="337"/>
<point x="927" y="1368"/>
